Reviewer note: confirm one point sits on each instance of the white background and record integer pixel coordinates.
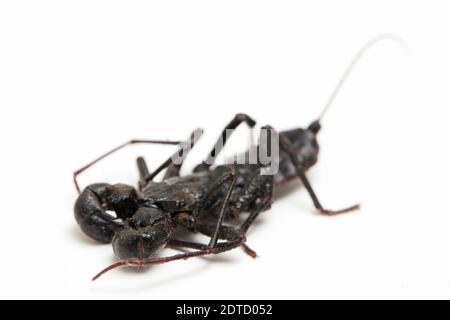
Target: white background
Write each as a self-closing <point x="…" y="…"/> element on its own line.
<point x="78" y="78"/>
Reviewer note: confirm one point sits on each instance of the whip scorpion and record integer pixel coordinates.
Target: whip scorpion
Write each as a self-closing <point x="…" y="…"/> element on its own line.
<point x="147" y="217"/>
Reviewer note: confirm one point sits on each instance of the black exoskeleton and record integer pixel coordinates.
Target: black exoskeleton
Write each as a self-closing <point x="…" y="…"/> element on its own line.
<point x="140" y="222"/>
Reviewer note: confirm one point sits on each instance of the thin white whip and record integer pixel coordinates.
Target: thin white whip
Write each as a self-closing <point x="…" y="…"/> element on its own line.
<point x="354" y="61"/>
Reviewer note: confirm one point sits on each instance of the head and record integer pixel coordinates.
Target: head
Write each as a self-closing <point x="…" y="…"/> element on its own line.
<point x="147" y="232"/>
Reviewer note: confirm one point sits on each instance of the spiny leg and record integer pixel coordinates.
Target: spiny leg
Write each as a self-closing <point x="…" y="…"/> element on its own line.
<point x="77" y="172"/>
<point x="237" y="120"/>
<point x="287" y="147"/>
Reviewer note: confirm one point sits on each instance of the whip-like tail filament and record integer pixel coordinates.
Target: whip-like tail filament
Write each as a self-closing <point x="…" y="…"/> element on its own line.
<point x="353" y="63"/>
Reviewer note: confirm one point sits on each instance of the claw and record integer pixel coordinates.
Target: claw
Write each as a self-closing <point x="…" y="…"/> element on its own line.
<point x="92" y="203"/>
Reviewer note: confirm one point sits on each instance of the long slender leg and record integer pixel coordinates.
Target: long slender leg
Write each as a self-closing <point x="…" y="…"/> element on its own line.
<point x="287" y="147"/>
<point x="179" y="154"/>
<point x="215" y="236"/>
<point x="187" y="244"/>
<point x="228" y="233"/>
<point x="76" y="173"/>
<point x="236" y="239"/>
<point x="252" y="217"/>
<point x="230" y="179"/>
<point x="237" y="120"/>
<point x="216" y="231"/>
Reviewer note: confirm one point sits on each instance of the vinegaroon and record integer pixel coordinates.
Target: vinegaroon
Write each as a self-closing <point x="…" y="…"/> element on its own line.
<point x="147" y="217"/>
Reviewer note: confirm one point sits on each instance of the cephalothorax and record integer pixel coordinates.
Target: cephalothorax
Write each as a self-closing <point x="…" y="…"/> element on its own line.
<point x="146" y="218"/>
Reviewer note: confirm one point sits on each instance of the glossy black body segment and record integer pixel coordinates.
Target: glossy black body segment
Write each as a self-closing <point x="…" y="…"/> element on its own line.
<point x="146" y="218"/>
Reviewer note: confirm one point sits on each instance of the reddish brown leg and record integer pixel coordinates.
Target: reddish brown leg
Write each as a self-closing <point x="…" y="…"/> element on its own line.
<point x="287" y="147"/>
<point x="90" y="164"/>
<point x="203" y="250"/>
